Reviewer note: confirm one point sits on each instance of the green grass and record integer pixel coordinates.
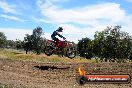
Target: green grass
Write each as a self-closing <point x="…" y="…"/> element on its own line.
<point x="20" y="55"/>
<point x="10" y="86"/>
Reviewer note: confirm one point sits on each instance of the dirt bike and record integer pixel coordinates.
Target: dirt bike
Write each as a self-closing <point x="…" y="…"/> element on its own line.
<point x="62" y="47"/>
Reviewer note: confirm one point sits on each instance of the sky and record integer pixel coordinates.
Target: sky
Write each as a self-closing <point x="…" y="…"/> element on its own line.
<point x="79" y="18"/>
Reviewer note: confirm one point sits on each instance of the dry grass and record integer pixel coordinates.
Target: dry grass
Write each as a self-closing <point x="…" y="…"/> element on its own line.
<point x="11" y="86"/>
<point x="20" y="55"/>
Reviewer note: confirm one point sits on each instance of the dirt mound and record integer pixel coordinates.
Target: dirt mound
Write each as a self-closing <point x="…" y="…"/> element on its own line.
<point x="56" y="75"/>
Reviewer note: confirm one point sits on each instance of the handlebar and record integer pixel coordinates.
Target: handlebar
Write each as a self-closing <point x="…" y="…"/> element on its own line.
<point x="65" y="40"/>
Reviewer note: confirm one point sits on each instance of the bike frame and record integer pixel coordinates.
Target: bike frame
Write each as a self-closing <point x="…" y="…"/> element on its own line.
<point x="63" y="47"/>
<point x="61" y="44"/>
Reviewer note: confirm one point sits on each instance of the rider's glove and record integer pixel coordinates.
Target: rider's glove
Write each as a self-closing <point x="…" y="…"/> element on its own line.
<point x="64" y="38"/>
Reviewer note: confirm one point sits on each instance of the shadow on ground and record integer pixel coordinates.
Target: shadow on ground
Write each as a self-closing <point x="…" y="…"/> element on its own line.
<point x="50" y="67"/>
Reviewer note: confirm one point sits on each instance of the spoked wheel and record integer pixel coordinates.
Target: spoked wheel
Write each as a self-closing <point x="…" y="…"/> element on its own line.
<point x="48" y="50"/>
<point x="71" y="52"/>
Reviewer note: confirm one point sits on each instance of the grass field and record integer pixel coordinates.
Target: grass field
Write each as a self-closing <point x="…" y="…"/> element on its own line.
<point x="20" y="55"/>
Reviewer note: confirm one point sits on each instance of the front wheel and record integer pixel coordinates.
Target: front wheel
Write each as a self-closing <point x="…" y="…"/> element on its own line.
<point x="48" y="50"/>
<point x="71" y="53"/>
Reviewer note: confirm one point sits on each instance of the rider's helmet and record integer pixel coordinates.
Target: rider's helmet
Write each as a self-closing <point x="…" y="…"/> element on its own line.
<point x="60" y="29"/>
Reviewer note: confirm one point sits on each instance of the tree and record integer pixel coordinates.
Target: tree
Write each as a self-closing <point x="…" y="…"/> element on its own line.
<point x="37" y="39"/>
<point x="112" y="44"/>
<point x="19" y="44"/>
<point x="2" y="40"/>
<point x="28" y="43"/>
<point x="34" y="42"/>
<point x="84" y="48"/>
<point x="10" y="44"/>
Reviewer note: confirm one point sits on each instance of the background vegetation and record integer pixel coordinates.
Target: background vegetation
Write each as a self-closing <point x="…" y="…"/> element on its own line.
<point x="108" y="45"/>
<point x="111" y="44"/>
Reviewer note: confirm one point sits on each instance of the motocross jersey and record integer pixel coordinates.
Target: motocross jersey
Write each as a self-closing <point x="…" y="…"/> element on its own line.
<point x="55" y="33"/>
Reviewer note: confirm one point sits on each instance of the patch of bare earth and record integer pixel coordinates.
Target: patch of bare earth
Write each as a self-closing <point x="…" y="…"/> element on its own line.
<point x="57" y="75"/>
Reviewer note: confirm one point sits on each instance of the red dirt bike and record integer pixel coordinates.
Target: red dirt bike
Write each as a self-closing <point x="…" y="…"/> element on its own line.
<point x="63" y="47"/>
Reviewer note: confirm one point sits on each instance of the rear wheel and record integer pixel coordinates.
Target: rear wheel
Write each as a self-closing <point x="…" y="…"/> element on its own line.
<point x="71" y="52"/>
<point x="48" y="50"/>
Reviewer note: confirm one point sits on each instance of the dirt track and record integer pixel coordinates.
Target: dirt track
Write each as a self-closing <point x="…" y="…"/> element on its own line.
<point x="57" y="75"/>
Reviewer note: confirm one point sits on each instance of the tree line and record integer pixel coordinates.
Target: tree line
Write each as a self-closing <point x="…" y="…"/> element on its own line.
<point x="34" y="42"/>
<point x="111" y="44"/>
